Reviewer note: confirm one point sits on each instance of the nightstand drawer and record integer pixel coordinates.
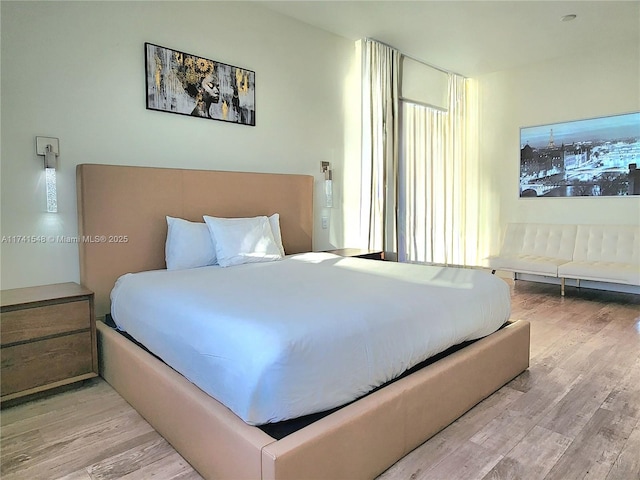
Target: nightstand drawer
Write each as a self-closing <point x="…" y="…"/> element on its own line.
<point x="43" y="362"/>
<point x="33" y="323"/>
<point x="48" y="336"/>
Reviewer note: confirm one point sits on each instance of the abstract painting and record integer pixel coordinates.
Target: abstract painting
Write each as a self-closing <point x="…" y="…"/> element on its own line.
<point x="187" y="84"/>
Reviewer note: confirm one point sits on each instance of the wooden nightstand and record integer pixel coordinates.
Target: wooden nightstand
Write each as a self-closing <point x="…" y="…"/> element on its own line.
<point x="358" y="252"/>
<point x="48" y="338"/>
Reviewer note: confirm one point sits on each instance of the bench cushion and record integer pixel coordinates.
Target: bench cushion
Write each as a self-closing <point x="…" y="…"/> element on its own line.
<point x="608" y="243"/>
<point x="534" y="264"/>
<point x="535" y="248"/>
<point x="605" y="253"/>
<point x="601" y="272"/>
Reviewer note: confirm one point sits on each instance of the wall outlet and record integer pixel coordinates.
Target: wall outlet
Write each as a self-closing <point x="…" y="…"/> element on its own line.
<point x="325" y="223"/>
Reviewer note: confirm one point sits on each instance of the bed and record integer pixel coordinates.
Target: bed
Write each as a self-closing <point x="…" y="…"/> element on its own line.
<point x="122" y="214"/>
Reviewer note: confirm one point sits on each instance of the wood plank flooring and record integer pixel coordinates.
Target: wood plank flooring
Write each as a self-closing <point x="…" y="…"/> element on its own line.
<point x="575" y="414"/>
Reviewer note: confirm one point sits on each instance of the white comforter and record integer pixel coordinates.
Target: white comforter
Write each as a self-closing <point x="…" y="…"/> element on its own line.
<point x="279" y="340"/>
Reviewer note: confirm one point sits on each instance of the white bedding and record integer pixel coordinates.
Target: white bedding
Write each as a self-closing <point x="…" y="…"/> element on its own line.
<point x="279" y="340"/>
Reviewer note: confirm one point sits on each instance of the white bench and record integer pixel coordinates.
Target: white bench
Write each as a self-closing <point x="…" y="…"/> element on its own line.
<point x="606" y="253"/>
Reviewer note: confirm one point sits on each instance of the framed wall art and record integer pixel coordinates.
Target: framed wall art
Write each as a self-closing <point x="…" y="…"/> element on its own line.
<point x="186" y="84"/>
<point x="594" y="157"/>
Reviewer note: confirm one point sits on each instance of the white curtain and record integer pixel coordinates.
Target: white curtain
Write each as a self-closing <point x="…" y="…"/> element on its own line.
<point x="380" y="103"/>
<point x="438" y="201"/>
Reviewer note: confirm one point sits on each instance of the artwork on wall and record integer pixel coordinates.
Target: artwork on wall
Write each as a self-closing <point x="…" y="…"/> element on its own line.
<point x="186" y="84"/>
<point x="594" y="157"/>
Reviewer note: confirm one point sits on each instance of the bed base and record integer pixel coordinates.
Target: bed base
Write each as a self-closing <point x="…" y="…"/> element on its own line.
<point x="360" y="440"/>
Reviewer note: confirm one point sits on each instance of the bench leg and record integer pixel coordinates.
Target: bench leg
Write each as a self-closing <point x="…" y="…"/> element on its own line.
<point x="578" y="282"/>
<point x="562" y="286"/>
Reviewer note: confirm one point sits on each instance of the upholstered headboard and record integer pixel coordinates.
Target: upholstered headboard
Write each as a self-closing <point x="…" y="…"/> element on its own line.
<point x="122" y="210"/>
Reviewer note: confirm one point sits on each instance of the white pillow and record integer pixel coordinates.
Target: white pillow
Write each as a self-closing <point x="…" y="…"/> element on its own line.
<point x="188" y="245"/>
<point x="242" y="240"/>
<point x="274" y="221"/>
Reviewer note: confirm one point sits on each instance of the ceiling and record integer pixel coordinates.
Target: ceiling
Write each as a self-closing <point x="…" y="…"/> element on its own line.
<point x="475" y="37"/>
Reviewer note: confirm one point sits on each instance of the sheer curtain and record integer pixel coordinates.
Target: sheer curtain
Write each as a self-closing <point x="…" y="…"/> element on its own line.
<point x="438" y="202"/>
<point x="380" y="106"/>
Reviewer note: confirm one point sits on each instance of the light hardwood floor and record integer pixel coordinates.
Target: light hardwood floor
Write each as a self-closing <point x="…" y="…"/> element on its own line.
<point x="575" y="414"/>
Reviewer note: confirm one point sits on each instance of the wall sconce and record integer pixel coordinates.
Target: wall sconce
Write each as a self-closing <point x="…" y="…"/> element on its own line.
<point x="328" y="184"/>
<point x="49" y="147"/>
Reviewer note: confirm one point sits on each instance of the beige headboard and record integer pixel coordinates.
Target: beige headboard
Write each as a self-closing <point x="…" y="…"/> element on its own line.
<point x="118" y="201"/>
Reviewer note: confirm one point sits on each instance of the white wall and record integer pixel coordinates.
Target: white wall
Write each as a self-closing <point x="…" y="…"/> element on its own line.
<point x="586" y="85"/>
<point x="75" y="70"/>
